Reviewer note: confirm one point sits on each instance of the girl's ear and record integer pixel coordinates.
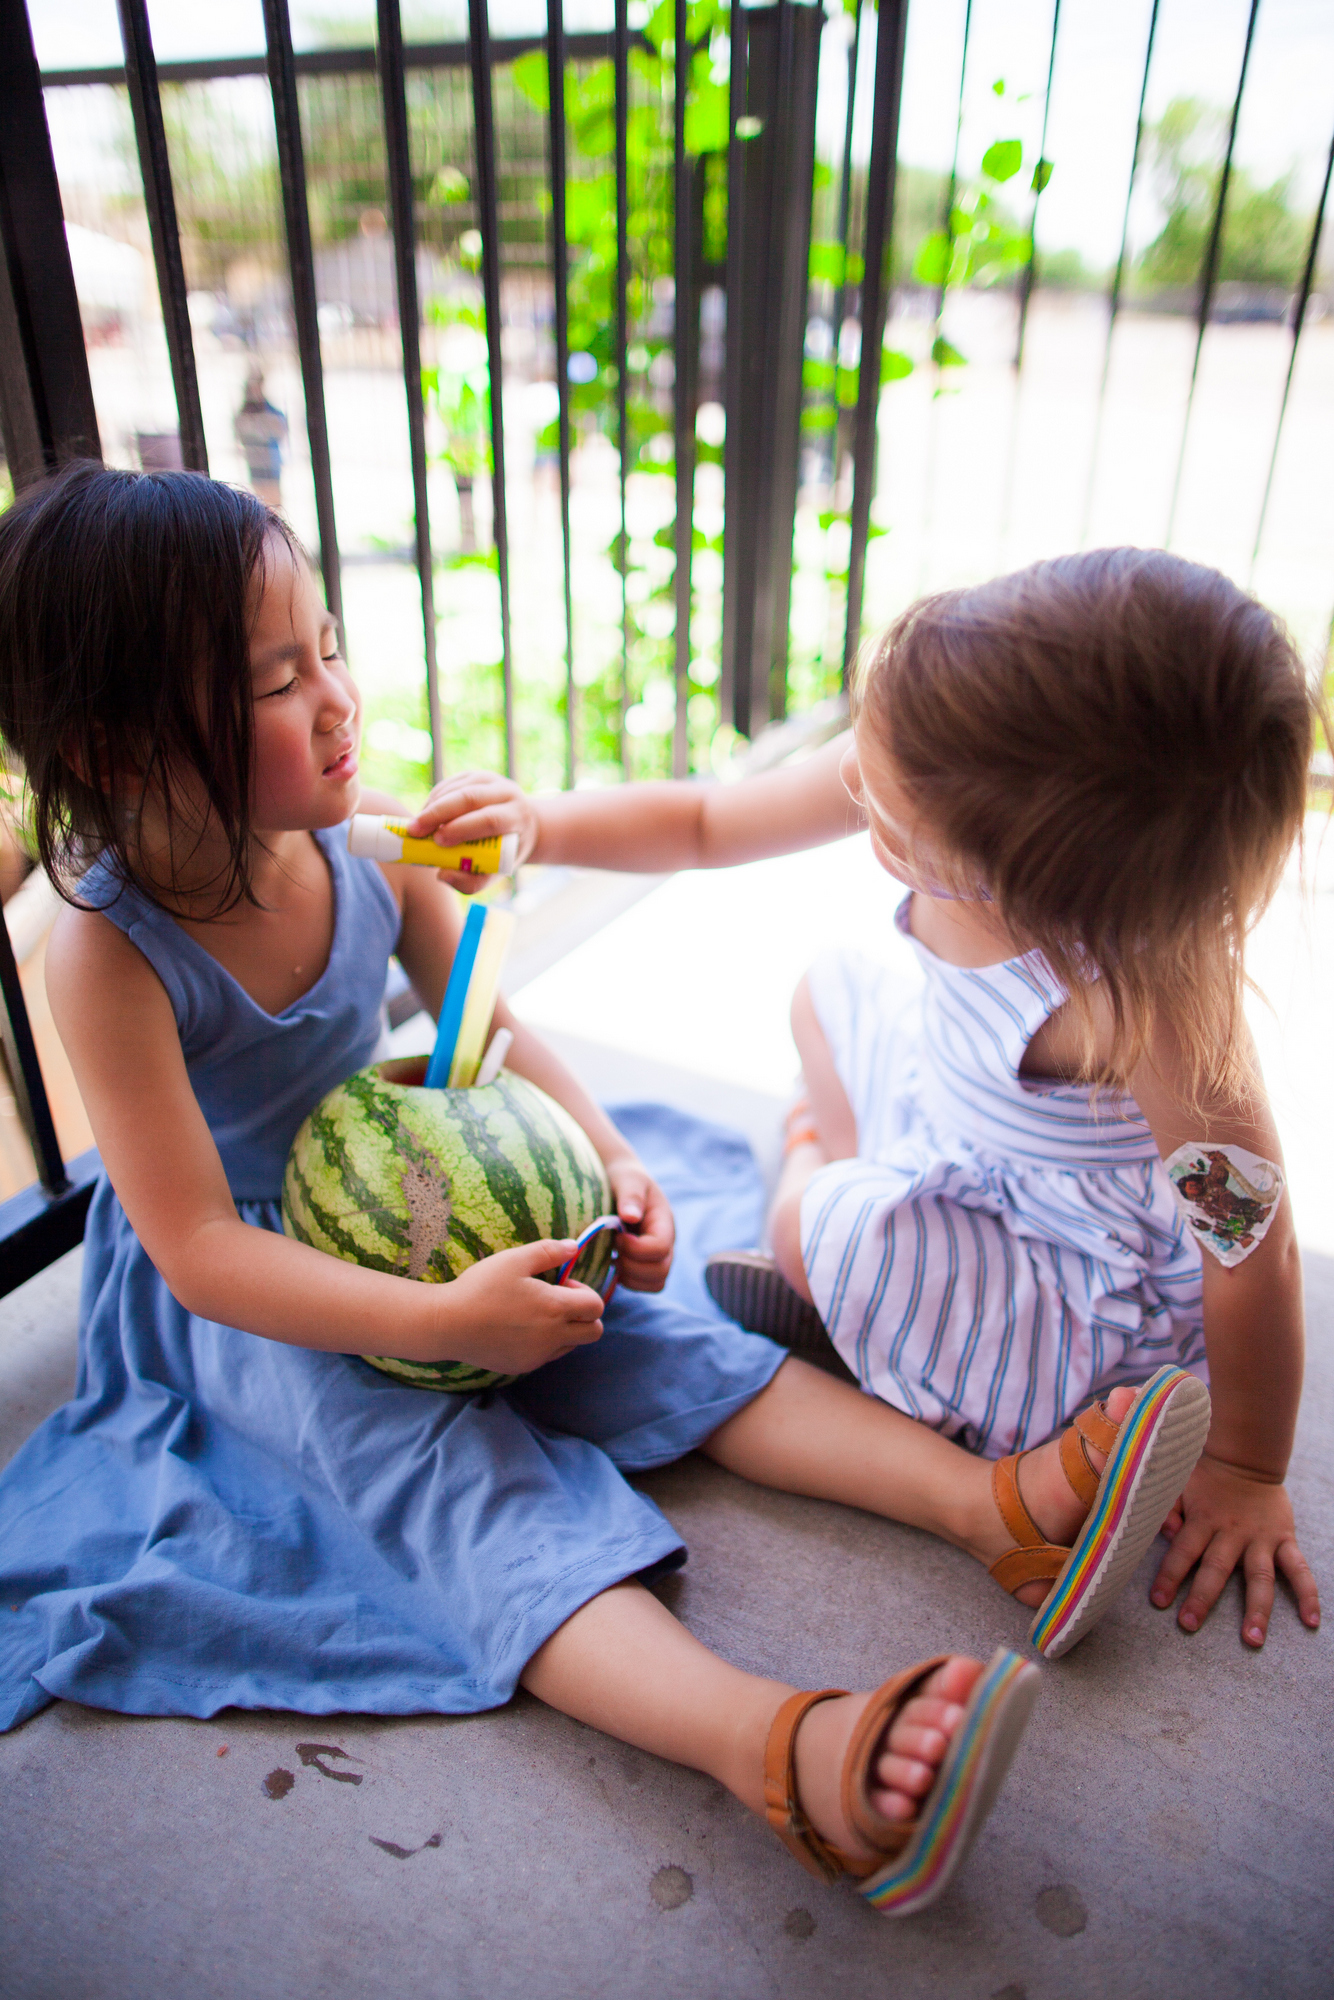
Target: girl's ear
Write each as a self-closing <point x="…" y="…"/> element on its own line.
<point x="97" y="774"/>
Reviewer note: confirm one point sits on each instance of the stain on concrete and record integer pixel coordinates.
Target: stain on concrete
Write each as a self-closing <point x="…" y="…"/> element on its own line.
<point x="671" y="1887"/>
<point x="1061" y="1910"/>
<point x="404" y="1853"/>
<point x="1012" y="1992"/>
<point x="799" y="1924"/>
<point x="1178" y="1725"/>
<point x="630" y="1764"/>
<point x="313" y="1754"/>
<point x="278" y="1783"/>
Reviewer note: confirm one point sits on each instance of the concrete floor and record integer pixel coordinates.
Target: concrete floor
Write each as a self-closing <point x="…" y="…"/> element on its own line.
<point x="1167" y="1830"/>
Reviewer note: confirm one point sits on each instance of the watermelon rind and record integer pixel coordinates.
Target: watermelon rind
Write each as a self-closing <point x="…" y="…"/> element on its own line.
<point x="423" y="1183"/>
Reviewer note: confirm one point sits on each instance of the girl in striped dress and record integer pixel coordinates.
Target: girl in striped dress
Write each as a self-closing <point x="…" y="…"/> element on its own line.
<point x="1039" y="1165"/>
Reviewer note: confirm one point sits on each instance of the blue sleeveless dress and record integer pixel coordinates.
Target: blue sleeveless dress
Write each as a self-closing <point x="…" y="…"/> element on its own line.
<point x="218" y="1519"/>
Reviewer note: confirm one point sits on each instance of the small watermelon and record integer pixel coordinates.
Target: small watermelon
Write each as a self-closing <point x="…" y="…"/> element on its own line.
<point x="421" y="1183"/>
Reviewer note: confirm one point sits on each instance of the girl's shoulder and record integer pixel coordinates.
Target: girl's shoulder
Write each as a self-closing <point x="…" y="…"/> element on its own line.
<point x="94" y="971"/>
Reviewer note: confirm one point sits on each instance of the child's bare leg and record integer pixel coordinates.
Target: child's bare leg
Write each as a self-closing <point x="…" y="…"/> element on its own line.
<point x="625" y="1665"/>
<point x="832" y="1116"/>
<point x="831" y="1112"/>
<point x="807" y="1433"/>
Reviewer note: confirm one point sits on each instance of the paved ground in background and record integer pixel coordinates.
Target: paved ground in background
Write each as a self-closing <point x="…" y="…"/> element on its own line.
<point x="1168" y="1829"/>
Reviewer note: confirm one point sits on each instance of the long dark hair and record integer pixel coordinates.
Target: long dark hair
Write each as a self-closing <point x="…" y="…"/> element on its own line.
<point x="127" y="601"/>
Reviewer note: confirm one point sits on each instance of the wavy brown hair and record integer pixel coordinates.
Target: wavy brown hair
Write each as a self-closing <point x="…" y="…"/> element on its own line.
<point x="127" y="600"/>
<point x="1117" y="745"/>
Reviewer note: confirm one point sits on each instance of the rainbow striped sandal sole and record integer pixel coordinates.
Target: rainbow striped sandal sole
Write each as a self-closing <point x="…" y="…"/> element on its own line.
<point x="1151" y="1454"/>
<point x="923" y="1855"/>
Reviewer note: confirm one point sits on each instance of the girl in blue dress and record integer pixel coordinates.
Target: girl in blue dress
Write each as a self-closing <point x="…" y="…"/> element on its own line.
<point x="234" y="1509"/>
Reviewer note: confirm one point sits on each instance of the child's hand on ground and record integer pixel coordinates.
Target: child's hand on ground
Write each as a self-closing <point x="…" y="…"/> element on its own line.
<point x="475" y="805"/>
<point x="1228" y="1516"/>
<point x="500" y="1313"/>
<point x="645" y="1254"/>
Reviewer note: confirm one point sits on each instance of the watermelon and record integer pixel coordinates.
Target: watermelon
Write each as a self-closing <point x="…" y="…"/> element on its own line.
<point x="421" y="1183"/>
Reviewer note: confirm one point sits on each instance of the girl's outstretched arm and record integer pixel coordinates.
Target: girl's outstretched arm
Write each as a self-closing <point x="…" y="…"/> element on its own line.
<point x="653" y="827"/>
<point x="117" y="1025"/>
<point x="1235" y="1511"/>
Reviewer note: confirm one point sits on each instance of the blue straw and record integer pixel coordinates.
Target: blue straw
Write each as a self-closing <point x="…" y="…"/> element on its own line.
<point x="456" y="994"/>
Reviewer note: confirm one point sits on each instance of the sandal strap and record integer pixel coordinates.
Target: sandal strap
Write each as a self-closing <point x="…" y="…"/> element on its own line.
<point x="781" y="1806"/>
<point x="1091" y="1427"/>
<point x="1033" y="1559"/>
<point x="888" y="1836"/>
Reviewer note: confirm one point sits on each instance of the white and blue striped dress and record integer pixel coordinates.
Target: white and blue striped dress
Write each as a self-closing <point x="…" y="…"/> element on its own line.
<point x="1000" y="1250"/>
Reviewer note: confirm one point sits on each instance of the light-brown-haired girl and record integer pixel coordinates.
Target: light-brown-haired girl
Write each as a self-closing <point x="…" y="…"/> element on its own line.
<point x="1089" y="776"/>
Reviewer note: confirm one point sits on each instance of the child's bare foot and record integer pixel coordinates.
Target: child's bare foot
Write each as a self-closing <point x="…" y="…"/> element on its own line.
<point x="907" y="1759"/>
<point x="1044" y="1489"/>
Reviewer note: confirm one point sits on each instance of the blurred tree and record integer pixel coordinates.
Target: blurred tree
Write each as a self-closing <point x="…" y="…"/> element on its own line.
<point x="1263" y="240"/>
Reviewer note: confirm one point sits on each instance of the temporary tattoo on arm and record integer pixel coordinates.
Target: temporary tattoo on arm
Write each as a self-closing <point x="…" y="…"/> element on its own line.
<point x="1228" y="1196"/>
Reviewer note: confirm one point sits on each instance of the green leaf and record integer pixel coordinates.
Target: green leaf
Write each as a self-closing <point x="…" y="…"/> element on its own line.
<point x="817" y="374"/>
<point x="1042" y="173"/>
<point x="945" y="355"/>
<point x="707" y="120"/>
<point x="532" y="78"/>
<point x="933" y="259"/>
<point x="893" y="365"/>
<point x="827" y="262"/>
<point x="1002" y="161"/>
<point x="449" y="185"/>
<point x="818" y="417"/>
<point x="999" y="86"/>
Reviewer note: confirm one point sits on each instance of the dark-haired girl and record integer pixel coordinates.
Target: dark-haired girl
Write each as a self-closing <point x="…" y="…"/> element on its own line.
<point x="1089" y="776"/>
<point x="234" y="1509"/>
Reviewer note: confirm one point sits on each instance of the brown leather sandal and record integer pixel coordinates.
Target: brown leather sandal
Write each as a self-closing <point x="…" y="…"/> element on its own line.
<point x="1151" y="1454"/>
<point x="919" y="1856"/>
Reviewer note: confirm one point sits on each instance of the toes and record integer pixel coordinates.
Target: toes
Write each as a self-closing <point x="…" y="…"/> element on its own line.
<point x="954" y="1681"/>
<point x="1119" y="1401"/>
<point x="892" y="1804"/>
<point x="904" y="1774"/>
<point x="926" y="1745"/>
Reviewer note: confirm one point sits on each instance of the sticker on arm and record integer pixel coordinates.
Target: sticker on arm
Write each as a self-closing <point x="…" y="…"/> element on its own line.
<point x="1228" y="1196"/>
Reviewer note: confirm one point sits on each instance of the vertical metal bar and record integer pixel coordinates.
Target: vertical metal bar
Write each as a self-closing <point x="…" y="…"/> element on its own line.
<point x="1209" y="269"/>
<point x="683" y="413"/>
<point x="622" y="59"/>
<point x="1118" y="279"/>
<point x="891" y="28"/>
<point x="952" y="187"/>
<point x="398" y="164"/>
<point x="1028" y="278"/>
<point x="25" y="1073"/>
<point x="843" y="291"/>
<point x="488" y="216"/>
<point x="46" y="397"/>
<point x="561" y="280"/>
<point x="1298" y="316"/>
<point x="734" y="679"/>
<point x="301" y="263"/>
<point x="151" y="139"/>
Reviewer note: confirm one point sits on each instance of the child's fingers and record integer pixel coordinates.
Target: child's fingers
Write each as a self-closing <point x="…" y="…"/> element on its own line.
<point x="1300" y="1576"/>
<point x="1258" y="1568"/>
<point x="1187" y="1547"/>
<point x="548" y="1254"/>
<point x="1215" y="1567"/>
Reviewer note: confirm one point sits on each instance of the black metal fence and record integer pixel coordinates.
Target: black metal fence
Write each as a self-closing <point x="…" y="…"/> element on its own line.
<point x="759" y="172"/>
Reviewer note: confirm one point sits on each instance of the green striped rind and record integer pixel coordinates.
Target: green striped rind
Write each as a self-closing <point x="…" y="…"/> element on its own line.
<point x="495" y="1167"/>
